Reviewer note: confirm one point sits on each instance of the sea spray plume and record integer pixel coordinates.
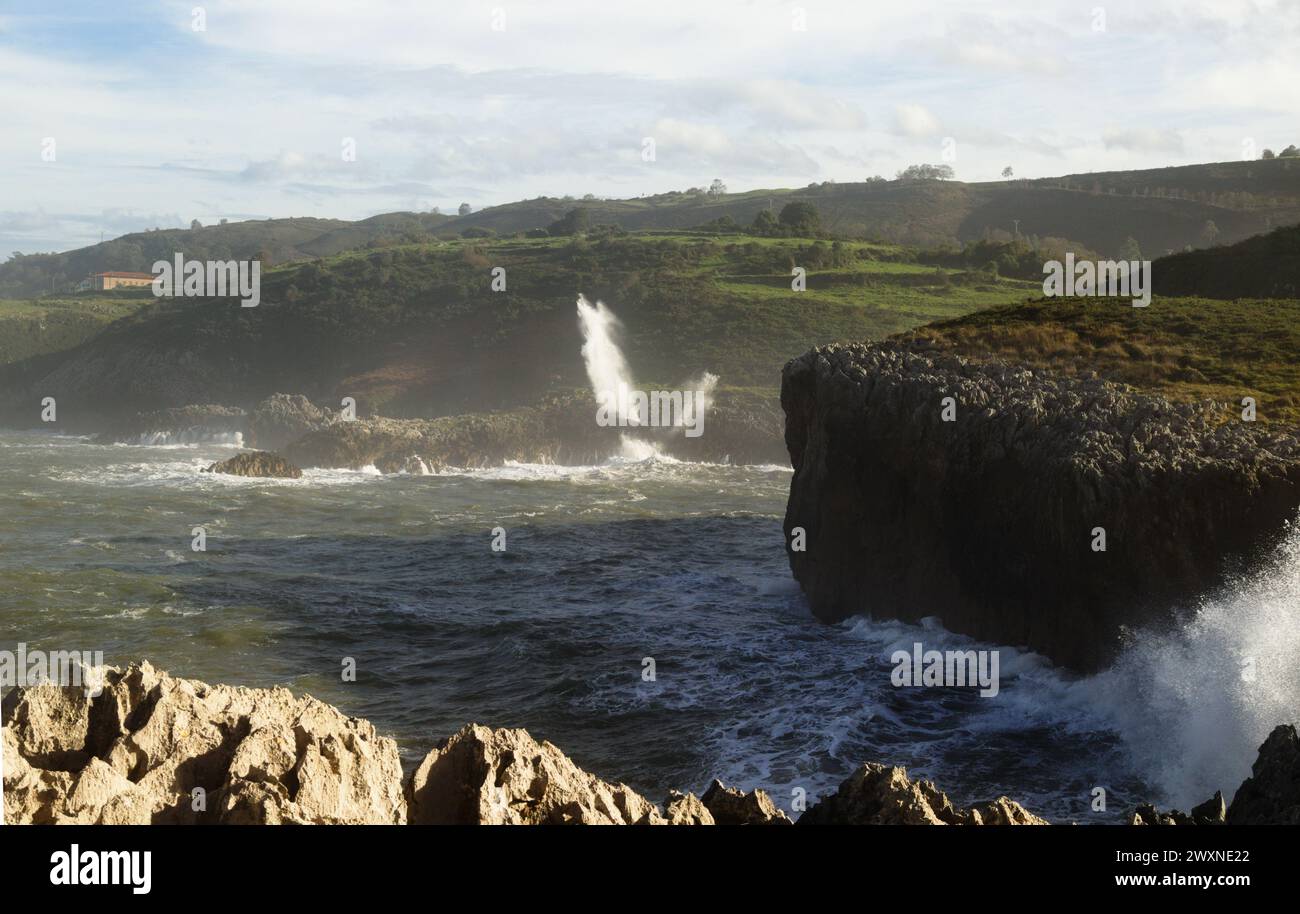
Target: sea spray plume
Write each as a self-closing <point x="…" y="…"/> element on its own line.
<point x="1193" y="705"/>
<point x="702" y="402"/>
<point x="621" y="403"/>
<point x="606" y="367"/>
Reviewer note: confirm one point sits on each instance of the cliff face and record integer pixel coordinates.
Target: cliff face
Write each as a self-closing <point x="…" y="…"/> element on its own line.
<point x="988" y="521"/>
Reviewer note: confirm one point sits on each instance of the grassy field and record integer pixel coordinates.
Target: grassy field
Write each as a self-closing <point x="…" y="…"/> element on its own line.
<point x="47" y="325"/>
<point x="1186" y="348"/>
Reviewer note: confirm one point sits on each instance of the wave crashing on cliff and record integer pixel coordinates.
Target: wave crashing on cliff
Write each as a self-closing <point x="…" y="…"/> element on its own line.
<point x="1193" y="704"/>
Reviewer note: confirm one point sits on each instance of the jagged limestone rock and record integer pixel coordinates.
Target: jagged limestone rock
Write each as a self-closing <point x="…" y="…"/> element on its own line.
<point x="257" y="463"/>
<point x="686" y="809"/>
<point x="730" y="806"/>
<point x="483" y="776"/>
<point x="137" y="752"/>
<point x="884" y="795"/>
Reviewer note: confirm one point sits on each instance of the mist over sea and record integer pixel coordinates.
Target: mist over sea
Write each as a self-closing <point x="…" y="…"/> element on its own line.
<point x="605" y="566"/>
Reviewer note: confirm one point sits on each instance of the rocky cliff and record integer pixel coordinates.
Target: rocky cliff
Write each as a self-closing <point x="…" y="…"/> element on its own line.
<point x="1028" y="509"/>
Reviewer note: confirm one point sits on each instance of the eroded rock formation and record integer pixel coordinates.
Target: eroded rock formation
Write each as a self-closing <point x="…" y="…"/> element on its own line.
<point x="152" y="748"/>
<point x="730" y="806"/>
<point x="1271" y="795"/>
<point x="283" y="418"/>
<point x="884" y="795"/>
<point x="483" y="776"/>
<point x="257" y="463"/>
<point x="990" y="521"/>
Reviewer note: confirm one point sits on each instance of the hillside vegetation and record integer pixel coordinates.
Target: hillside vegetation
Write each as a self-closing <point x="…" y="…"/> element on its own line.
<point x="1162" y="210"/>
<point x="1266" y="266"/>
<point x="50" y="325"/>
<point x="416" y="330"/>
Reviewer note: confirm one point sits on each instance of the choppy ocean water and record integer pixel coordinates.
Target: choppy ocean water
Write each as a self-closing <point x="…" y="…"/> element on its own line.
<point x="605" y="566"/>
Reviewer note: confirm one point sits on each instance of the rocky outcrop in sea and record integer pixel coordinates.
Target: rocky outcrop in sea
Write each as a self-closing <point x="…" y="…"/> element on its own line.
<point x="740" y="428"/>
<point x="256" y="463"/>
<point x="154" y="748"/>
<point x="1018" y="506"/>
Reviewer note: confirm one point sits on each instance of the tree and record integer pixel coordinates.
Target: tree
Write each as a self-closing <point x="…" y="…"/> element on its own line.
<point x="926" y="172"/>
<point x="764" y="223"/>
<point x="717" y="188"/>
<point x="723" y="225"/>
<point x="800" y="218"/>
<point x="1007" y="173"/>
<point x="571" y="223"/>
<point x="1268" y="154"/>
<point x="1289" y="153"/>
<point x="464" y="209"/>
<point x="1209" y="232"/>
<point x="195" y="224"/>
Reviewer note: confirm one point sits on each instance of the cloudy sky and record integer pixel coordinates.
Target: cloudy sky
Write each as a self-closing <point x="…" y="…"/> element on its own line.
<point x="157" y="112"/>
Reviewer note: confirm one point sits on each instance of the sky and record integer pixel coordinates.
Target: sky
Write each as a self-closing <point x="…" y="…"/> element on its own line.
<point x="126" y="115"/>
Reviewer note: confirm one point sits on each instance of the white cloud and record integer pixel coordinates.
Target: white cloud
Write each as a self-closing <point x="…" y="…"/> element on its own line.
<point x="1143" y="139"/>
<point x="444" y="108"/>
<point x="916" y="121"/>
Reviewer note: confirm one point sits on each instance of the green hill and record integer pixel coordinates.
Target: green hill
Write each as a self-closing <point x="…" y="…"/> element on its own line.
<point x="274" y="241"/>
<point x="1164" y="210"/>
<point x="1266" y="266"/>
<point x="415" y="330"/>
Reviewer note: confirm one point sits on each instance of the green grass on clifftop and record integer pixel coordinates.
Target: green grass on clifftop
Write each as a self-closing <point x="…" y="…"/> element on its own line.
<point x="1184" y="348"/>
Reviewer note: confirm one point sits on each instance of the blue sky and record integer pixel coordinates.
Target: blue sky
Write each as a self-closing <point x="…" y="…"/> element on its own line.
<point x="156" y="122"/>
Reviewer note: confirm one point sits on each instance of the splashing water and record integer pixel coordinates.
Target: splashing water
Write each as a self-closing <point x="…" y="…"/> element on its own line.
<point x="1193" y="705"/>
<point x="608" y="371"/>
<point x="606" y="366"/>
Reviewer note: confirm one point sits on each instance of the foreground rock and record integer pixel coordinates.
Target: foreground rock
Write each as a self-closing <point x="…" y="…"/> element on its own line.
<point x="729" y="806"/>
<point x="884" y="795"/>
<point x="1212" y="812"/>
<point x="990" y="521"/>
<point x="257" y="463"/>
<point x="152" y="748"/>
<point x="1271" y="795"/>
<point x="155" y="749"/>
<point x="483" y="776"/>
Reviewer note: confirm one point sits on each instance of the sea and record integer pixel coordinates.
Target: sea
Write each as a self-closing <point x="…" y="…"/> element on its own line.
<point x="641" y="616"/>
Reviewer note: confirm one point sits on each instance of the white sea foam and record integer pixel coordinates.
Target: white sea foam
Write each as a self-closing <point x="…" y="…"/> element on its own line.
<point x="1194" y="704"/>
<point x="187" y="438"/>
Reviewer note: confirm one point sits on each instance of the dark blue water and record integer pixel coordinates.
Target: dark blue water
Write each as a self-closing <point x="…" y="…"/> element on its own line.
<point x="606" y="568"/>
